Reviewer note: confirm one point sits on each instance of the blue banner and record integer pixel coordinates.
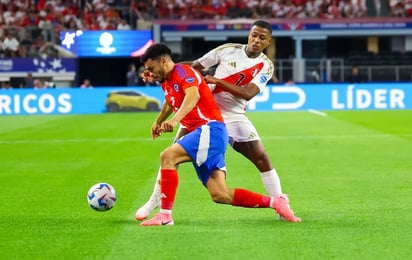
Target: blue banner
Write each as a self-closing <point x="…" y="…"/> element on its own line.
<point x="38" y="65"/>
<point x="334" y="97"/>
<point x="288" y="25"/>
<point x="273" y="98"/>
<point x="79" y="101"/>
<point x="128" y="43"/>
<point x="377" y="25"/>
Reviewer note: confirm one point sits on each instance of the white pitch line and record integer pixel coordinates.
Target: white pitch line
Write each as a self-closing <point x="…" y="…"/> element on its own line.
<point x="335" y="136"/>
<point x="317" y="112"/>
<point x="81" y="140"/>
<point x="144" y="139"/>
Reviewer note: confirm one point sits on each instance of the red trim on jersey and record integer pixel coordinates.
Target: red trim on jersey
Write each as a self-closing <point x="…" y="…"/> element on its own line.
<point x="241" y="78"/>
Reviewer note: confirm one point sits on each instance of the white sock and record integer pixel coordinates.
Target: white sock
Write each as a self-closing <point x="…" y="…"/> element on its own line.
<point x="166" y="211"/>
<point x="156" y="189"/>
<point x="271" y="181"/>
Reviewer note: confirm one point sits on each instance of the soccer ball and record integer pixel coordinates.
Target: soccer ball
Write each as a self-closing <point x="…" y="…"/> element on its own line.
<point x="101" y="197"/>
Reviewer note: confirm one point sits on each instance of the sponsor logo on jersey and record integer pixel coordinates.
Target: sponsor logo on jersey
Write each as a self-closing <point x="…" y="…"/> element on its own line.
<point x="233" y="64"/>
<point x="190" y="80"/>
<point x="255" y="71"/>
<point x="176" y="87"/>
<point x="263" y="79"/>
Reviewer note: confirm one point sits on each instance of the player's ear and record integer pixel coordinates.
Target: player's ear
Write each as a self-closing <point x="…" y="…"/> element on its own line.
<point x="163" y="60"/>
<point x="270" y="38"/>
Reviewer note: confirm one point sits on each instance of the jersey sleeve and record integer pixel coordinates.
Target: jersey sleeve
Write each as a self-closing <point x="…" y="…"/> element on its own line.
<point x="209" y="59"/>
<point x="263" y="77"/>
<point x="191" y="78"/>
<point x="214" y="56"/>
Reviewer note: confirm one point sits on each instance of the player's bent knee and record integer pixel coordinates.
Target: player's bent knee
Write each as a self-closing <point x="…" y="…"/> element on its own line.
<point x="166" y="159"/>
<point x="221" y="198"/>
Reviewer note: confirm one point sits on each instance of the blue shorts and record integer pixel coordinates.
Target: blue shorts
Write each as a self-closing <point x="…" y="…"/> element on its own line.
<point x="206" y="145"/>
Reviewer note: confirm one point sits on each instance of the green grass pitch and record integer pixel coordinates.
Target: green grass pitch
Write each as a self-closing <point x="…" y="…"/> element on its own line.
<point x="348" y="176"/>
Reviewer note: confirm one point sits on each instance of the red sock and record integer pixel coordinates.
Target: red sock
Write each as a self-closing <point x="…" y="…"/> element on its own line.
<point x="249" y="199"/>
<point x="169" y="181"/>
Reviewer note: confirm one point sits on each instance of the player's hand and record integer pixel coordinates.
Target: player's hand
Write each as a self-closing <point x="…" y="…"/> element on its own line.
<point x="168" y="125"/>
<point x="156" y="130"/>
<point x="210" y="79"/>
<point x="147" y="76"/>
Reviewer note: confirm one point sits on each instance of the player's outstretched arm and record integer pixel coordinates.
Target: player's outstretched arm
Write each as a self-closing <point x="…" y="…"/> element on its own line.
<point x="196" y="65"/>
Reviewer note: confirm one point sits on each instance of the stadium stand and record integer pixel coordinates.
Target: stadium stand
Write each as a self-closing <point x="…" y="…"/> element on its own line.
<point x="30" y="28"/>
<point x="24" y="18"/>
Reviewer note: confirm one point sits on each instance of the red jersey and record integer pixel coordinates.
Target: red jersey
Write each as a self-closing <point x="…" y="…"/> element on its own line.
<point x="206" y="109"/>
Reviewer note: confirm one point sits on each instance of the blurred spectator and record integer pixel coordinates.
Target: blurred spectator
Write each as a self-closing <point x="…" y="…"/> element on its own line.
<point x="10" y="14"/>
<point x="264" y="8"/>
<point x="360" y="8"/>
<point x="39" y="84"/>
<point x="59" y="7"/>
<point x="289" y="9"/>
<point x="39" y="42"/>
<point x="27" y="44"/>
<point x="31" y="18"/>
<point x="355" y="76"/>
<point x="408" y="8"/>
<point x="94" y="24"/>
<point x="45" y="25"/>
<point x="397" y="8"/>
<point x="312" y="8"/>
<point x="316" y="75"/>
<point x="333" y="11"/>
<point x="300" y="11"/>
<point x="100" y="5"/>
<point x="86" y="84"/>
<point x="6" y="85"/>
<point x="123" y="25"/>
<point x="28" y="81"/>
<point x="324" y="8"/>
<point x="347" y="8"/>
<point x="278" y="9"/>
<point x="123" y="6"/>
<point x="2" y="54"/>
<point x="131" y="76"/>
<point x="12" y="46"/>
<point x="142" y="10"/>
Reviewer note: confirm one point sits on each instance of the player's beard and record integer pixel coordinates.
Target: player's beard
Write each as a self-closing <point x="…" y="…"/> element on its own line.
<point x="161" y="76"/>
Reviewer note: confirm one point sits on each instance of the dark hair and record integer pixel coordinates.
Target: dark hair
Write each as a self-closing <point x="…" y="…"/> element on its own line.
<point x="156" y="51"/>
<point x="263" y="24"/>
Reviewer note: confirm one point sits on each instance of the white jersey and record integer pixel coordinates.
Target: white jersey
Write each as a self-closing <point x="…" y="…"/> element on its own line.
<point x="234" y="66"/>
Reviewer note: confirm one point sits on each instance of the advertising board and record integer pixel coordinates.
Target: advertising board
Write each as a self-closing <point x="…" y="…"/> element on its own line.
<point x="274" y="98"/>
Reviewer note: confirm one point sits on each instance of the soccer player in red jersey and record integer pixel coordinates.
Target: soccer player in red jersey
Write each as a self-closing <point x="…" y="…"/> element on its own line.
<point x="188" y="98"/>
<point x="242" y="71"/>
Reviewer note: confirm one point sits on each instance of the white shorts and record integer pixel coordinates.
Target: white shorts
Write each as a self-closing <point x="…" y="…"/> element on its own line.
<point x="241" y="131"/>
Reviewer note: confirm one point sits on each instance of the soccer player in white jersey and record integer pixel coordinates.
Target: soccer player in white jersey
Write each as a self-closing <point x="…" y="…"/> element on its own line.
<point x="242" y="72"/>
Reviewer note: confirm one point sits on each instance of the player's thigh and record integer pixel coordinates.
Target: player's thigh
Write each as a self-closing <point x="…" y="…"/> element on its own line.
<point x="173" y="155"/>
<point x="249" y="149"/>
